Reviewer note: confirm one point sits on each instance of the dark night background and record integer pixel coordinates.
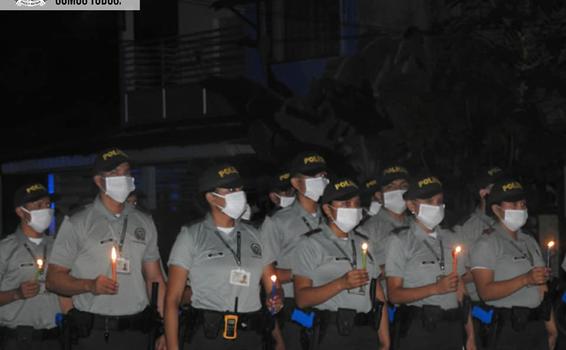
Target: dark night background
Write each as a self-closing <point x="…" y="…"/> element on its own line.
<point x="446" y="86"/>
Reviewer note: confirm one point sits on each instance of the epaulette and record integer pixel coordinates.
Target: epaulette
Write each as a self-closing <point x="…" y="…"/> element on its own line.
<point x="361" y="235"/>
<point x="488" y="231"/>
<point x="399" y="229"/>
<point x="312" y="232"/>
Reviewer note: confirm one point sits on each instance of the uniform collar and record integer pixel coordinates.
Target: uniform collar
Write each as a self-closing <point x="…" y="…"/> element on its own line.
<point x="22" y="238"/>
<point x="299" y="209"/>
<point x="98" y="205"/>
<point x="421" y="234"/>
<point x="499" y="230"/>
<point x="210" y="224"/>
<point x="384" y="215"/>
<point x="327" y="231"/>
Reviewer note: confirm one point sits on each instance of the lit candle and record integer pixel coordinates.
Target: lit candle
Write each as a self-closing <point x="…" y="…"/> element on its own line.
<point x="39" y="263"/>
<point x="549" y="252"/>
<point x="364" y="255"/>
<point x="455" y="253"/>
<point x="114" y="257"/>
<point x="273" y="290"/>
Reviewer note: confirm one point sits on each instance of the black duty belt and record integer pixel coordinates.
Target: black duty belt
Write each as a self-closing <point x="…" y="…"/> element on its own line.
<point x="249" y="321"/>
<point x="118" y="323"/>
<point x="443" y="315"/>
<point x="529" y="313"/>
<point x="29" y="333"/>
<point x="330" y="317"/>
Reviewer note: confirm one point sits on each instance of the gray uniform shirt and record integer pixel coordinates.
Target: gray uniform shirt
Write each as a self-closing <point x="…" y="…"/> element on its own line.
<point x="509" y="258"/>
<point x="378" y="228"/>
<point x="318" y="258"/>
<point x="470" y="231"/>
<point x="411" y="259"/>
<point x="201" y="250"/>
<point x="17" y="266"/>
<point x="84" y="244"/>
<point x="281" y="232"/>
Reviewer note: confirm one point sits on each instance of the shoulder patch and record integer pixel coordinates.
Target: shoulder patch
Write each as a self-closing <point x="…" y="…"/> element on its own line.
<point x="361" y="235"/>
<point x="400" y="229"/>
<point x="312" y="232"/>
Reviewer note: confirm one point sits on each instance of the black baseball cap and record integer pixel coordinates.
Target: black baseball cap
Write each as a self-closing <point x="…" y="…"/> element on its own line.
<point x="307" y="163"/>
<point x="280" y="181"/>
<point x="109" y="159"/>
<point x="371" y="186"/>
<point x="220" y="175"/>
<point x="506" y="190"/>
<point x="340" y="189"/>
<point x="489" y="175"/>
<point x="393" y="172"/>
<point x="422" y="187"/>
<point x="30" y="193"/>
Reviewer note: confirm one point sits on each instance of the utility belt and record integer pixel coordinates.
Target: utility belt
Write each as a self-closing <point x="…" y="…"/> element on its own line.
<point x="27" y="333"/>
<point x="228" y="324"/>
<point x="79" y="324"/>
<point x="429" y="315"/>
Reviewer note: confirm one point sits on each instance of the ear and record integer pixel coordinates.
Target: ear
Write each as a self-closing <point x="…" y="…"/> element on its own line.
<point x="297" y="184"/>
<point x="22" y="214"/>
<point x="273" y="197"/>
<point x="483" y="192"/>
<point x="413" y="207"/>
<point x="498" y="211"/>
<point x="99" y="181"/>
<point x="378" y="196"/>
<point x="327" y="210"/>
<point x="210" y="199"/>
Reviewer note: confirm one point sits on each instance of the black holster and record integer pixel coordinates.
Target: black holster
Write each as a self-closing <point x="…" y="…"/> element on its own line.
<point x="431" y="315"/>
<point x="212" y="323"/>
<point x="376" y="314"/>
<point x="520" y="317"/>
<point x="80" y="324"/>
<point x="345" y="319"/>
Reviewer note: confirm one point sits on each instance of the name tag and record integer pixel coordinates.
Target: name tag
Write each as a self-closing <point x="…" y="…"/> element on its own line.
<point x="519" y="258"/>
<point x="123" y="265"/>
<point x="428" y="262"/>
<point x="27" y="265"/>
<point x="240" y="277"/>
<point x="215" y="255"/>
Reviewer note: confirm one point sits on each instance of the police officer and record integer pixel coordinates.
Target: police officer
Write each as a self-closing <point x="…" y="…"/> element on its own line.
<point x="27" y="311"/>
<point x="472" y="228"/>
<point x="110" y="296"/>
<point x="226" y="263"/>
<point x="371" y="197"/>
<point x="281" y="194"/>
<point x="510" y="275"/>
<point x="281" y="231"/>
<point x="421" y="275"/>
<point x="394" y="183"/>
<point x="333" y="267"/>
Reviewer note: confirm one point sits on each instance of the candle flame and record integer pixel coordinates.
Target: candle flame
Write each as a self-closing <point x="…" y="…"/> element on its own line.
<point x="114" y="256"/>
<point x="457" y="250"/>
<point x="40" y="263"/>
<point x="364" y="246"/>
<point x="273" y="278"/>
<point x="550" y="244"/>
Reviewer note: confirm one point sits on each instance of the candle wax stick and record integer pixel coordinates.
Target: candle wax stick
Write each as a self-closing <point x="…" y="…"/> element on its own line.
<point x="364" y="255"/>
<point x="113" y="262"/>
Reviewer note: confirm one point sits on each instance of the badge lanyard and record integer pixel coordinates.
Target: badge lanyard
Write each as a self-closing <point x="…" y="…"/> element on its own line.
<point x="308" y="224"/>
<point x="33" y="255"/>
<point x="235" y="254"/>
<point x="527" y="255"/>
<point x="122" y="236"/>
<point x="353" y="261"/>
<point x="440" y="260"/>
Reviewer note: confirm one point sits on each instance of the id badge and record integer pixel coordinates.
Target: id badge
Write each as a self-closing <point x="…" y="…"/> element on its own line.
<point x="357" y="291"/>
<point x="123" y="265"/>
<point x="240" y="277"/>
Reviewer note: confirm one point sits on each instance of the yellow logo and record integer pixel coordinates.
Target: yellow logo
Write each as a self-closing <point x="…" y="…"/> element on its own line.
<point x="395" y="170"/>
<point x="227" y="171"/>
<point x="371" y="183"/>
<point x="493" y="171"/>
<point x="314" y="160"/>
<point x="344" y="184"/>
<point x="284" y="177"/>
<point x="35" y="188"/>
<point x="512" y="186"/>
<point x="429" y="181"/>
<point x="113" y="153"/>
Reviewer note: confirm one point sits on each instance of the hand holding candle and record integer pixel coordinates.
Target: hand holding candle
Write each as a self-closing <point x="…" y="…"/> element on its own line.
<point x="114" y="258"/>
<point x="273" y="291"/>
<point x="455" y="253"/>
<point x="39" y="263"/>
<point x="549" y="246"/>
<point x="364" y="255"/>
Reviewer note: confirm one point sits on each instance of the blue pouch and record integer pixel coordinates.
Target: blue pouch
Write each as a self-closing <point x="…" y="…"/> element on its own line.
<point x="59" y="319"/>
<point x="563" y="298"/>
<point x="304" y="319"/>
<point x="484" y="316"/>
<point x="391" y="310"/>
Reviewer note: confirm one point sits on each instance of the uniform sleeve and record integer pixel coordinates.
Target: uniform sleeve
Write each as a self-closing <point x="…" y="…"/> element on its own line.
<point x="4" y="254"/>
<point x="305" y="260"/>
<point x="270" y="238"/>
<point x="152" y="250"/>
<point x="395" y="259"/>
<point x="66" y="245"/>
<point x="182" y="252"/>
<point x="483" y="255"/>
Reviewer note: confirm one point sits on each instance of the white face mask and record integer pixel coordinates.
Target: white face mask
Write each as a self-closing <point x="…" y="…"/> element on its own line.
<point x="374" y="208"/>
<point x="314" y="187"/>
<point x="348" y="218"/>
<point x="39" y="219"/>
<point x="235" y="204"/>
<point x="431" y="215"/>
<point x="515" y="219"/>
<point x="119" y="187"/>
<point x="393" y="200"/>
<point x="285" y="201"/>
<point x="247" y="213"/>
